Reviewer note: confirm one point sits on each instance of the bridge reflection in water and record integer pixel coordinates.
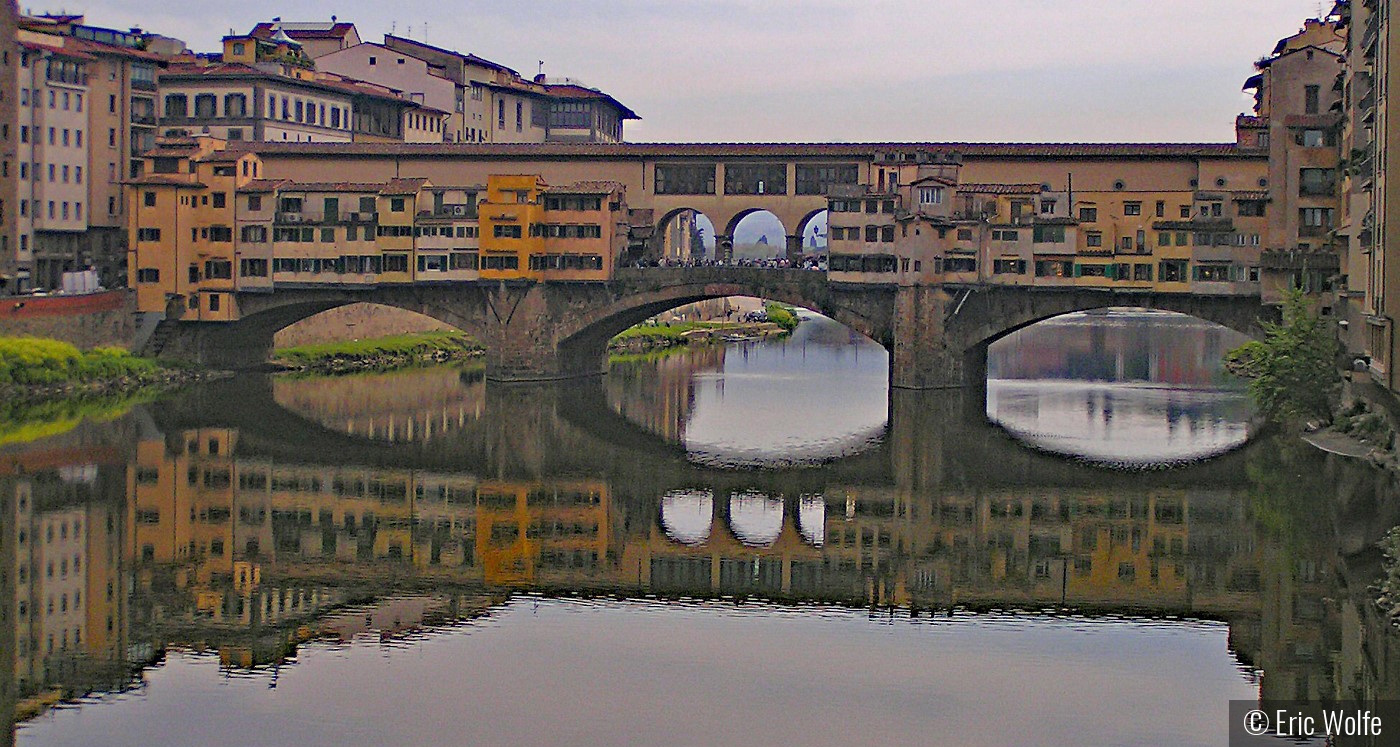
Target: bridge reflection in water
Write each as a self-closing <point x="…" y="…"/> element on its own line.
<point x="244" y="515"/>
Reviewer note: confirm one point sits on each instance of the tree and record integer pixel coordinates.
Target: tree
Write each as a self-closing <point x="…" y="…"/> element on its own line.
<point x="1294" y="368"/>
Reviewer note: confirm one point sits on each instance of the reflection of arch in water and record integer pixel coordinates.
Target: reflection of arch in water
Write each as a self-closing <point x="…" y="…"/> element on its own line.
<point x="756" y="519"/>
<point x="378" y="408"/>
<point x="811" y="519"/>
<point x="687" y="515"/>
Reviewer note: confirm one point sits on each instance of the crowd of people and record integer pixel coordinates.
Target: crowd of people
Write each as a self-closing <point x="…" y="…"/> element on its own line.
<point x="767" y="263"/>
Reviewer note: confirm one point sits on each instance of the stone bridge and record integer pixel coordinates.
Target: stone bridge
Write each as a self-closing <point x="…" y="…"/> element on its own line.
<point x="937" y="335"/>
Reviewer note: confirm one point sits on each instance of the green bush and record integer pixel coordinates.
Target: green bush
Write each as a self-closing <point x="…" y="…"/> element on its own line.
<point x="781" y="316"/>
<point x="1294" y="368"/>
<point x="38" y="361"/>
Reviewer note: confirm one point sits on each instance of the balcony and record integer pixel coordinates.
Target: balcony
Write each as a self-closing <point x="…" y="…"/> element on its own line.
<point x="450" y="211"/>
<point x="285" y="217"/>
<point x="147" y="119"/>
<point x="143" y="85"/>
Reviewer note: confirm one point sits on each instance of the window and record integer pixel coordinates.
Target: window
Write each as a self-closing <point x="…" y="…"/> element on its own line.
<point x="253" y="234"/>
<point x="235" y="105"/>
<point x="1315" y="221"/>
<point x="1005" y="234"/>
<point x="818" y="179"/>
<point x="218" y="269"/>
<point x="205" y="105"/>
<point x="964" y="234"/>
<point x="931" y="195"/>
<point x="1009" y="266"/>
<point x="755" y="179"/>
<point x="1132" y="208"/>
<point x="1054" y="268"/>
<point x="396" y="205"/>
<point x="176" y="105"/>
<point x="149" y="199"/>
<point x="1310" y="99"/>
<point x="148" y="234"/>
<point x="519" y="116"/>
<point x="213" y="301"/>
<point x="1212" y="272"/>
<point x="500" y="262"/>
<point x="1317" y="182"/>
<point x="1093" y="238"/>
<point x="886" y="234"/>
<point x="1088" y="215"/>
<point x="219" y="199"/>
<point x="1172" y="270"/>
<point x="395" y="263"/>
<point x="1251" y="208"/>
<point x="148" y="275"/>
<point x="684" y="179"/>
<point x="1042" y="234"/>
<point x="506" y="232"/>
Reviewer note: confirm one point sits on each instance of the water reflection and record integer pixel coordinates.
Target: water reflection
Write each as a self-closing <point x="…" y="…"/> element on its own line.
<point x="213" y="545"/>
<point x="1126" y="387"/>
<point x="758" y="403"/>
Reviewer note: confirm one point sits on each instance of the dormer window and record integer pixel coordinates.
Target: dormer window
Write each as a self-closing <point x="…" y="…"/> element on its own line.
<point x="931" y="195"/>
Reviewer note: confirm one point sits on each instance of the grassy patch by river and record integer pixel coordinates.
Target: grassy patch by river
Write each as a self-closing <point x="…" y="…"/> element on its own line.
<point x="380" y="354"/>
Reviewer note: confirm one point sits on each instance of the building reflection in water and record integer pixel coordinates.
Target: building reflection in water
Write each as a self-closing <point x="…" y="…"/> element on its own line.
<point x="174" y="528"/>
<point x="1122" y="386"/>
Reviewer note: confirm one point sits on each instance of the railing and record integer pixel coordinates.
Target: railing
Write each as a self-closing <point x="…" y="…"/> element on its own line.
<point x="452" y="211"/>
<point x="344" y="216"/>
<point x="143" y="119"/>
<point x="143" y="85"/>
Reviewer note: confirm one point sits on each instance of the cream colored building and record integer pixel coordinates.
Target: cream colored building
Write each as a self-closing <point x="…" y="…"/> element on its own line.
<point x="53" y="160"/>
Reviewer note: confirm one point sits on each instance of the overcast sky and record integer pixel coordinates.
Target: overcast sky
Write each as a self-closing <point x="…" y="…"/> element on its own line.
<point x="834" y="70"/>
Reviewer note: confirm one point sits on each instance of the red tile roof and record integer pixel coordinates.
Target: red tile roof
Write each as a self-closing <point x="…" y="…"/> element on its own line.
<point x="1001" y="189"/>
<point x="165" y="181"/>
<point x="98" y="48"/>
<point x="586" y="188"/>
<point x="291" y="186"/>
<point x="571" y="91"/>
<point x="858" y="151"/>
<point x="59" y="50"/>
<point x="403" y="186"/>
<point x="332" y="31"/>
<point x="264" y="185"/>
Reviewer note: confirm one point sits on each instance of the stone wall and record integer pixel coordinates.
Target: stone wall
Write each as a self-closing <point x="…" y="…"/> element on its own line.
<point x="87" y="321"/>
<point x="358" y="321"/>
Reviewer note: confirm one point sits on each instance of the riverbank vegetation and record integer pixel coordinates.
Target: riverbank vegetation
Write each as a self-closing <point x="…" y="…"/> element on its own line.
<point x="380" y="354"/>
<point x="34" y="369"/>
<point x="780" y="315"/>
<point x="1293" y="371"/>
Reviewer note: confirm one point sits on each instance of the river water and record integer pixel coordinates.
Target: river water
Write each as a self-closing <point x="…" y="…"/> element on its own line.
<point x="756" y="543"/>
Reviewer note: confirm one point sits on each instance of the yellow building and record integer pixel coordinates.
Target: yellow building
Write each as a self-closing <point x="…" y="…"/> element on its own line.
<point x="206" y="226"/>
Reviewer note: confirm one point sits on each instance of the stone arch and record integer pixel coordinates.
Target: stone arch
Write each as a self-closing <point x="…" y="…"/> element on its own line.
<point x="739" y="216"/>
<point x="806" y="221"/>
<point x="664" y="222"/>
<point x="642" y="294"/>
<point x="965" y="321"/>
<point x="248" y="342"/>
<point x="987" y="315"/>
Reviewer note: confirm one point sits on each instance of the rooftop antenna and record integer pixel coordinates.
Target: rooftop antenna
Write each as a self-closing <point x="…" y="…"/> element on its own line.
<point x="541" y="70"/>
<point x="425" y="32"/>
<point x="393" y="27"/>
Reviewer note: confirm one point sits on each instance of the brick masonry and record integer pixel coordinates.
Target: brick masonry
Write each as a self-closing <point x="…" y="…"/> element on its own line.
<point x="87" y="321"/>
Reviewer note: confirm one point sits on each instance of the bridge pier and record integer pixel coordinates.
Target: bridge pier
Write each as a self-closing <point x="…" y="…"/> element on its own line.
<point x="724" y="248"/>
<point x="925" y="356"/>
<point x="794" y="248"/>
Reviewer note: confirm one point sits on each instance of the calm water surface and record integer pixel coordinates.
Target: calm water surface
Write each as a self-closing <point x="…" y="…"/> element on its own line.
<point x="756" y="543"/>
